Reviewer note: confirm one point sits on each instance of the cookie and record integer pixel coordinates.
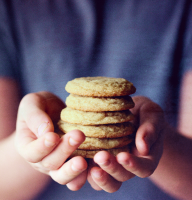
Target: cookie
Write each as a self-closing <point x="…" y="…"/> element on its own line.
<point x="95" y="104"/>
<point x="91" y="154"/>
<point x="100" y="131"/>
<point x="93" y="118"/>
<point x="97" y="143"/>
<point x="100" y="87"/>
<point x="99" y="107"/>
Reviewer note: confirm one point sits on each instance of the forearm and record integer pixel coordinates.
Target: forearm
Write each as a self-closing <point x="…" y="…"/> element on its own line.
<point x="18" y="179"/>
<point x="174" y="174"/>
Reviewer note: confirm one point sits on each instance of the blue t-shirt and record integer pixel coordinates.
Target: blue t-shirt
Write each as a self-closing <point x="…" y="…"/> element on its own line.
<point x="44" y="44"/>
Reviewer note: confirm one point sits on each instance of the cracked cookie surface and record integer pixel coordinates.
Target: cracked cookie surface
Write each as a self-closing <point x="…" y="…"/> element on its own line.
<point x="100" y="86"/>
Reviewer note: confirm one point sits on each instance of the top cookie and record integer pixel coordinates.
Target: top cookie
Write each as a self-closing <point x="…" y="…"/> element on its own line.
<point x="100" y="87"/>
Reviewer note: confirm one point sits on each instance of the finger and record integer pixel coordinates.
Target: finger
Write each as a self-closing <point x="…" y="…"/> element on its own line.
<point x="142" y="166"/>
<point x="101" y="180"/>
<point x="68" y="144"/>
<point x="151" y="123"/>
<point x="78" y="182"/>
<point x="109" y="164"/>
<point x="145" y="137"/>
<point x="92" y="164"/>
<point x="34" y="150"/>
<point x="104" y="180"/>
<point x="69" y="171"/>
<point x="34" y="122"/>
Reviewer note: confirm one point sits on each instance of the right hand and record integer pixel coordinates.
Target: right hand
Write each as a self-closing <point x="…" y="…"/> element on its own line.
<point x="109" y="172"/>
<point x="39" y="145"/>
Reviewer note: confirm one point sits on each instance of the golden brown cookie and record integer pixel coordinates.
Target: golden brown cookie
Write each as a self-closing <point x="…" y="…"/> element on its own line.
<point x="96" y="104"/>
<point x="97" y="143"/>
<point x="91" y="154"/>
<point x="100" y="87"/>
<point x="99" y="107"/>
<point x="93" y="118"/>
<point x="100" y="131"/>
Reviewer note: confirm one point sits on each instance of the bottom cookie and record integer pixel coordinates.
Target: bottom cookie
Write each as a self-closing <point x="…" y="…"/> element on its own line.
<point x="91" y="153"/>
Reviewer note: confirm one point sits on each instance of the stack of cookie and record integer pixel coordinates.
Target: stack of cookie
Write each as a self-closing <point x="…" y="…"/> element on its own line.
<point x="99" y="107"/>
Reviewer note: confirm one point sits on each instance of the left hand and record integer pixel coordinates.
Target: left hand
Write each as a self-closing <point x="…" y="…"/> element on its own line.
<point x="107" y="172"/>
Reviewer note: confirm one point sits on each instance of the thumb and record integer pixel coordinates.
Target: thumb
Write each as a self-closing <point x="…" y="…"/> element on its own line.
<point x="150" y="122"/>
<point x="145" y="137"/>
<point x="35" y="121"/>
<point x="38" y="111"/>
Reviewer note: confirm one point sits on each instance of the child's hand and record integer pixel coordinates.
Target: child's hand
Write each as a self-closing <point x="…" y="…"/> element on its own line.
<point x="108" y="172"/>
<point x="41" y="147"/>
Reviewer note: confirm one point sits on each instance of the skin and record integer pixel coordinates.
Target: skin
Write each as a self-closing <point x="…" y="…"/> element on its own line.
<point x="40" y="152"/>
<point x="15" y="172"/>
<point x="48" y="153"/>
<point x="173" y="173"/>
<point x="144" y="159"/>
<point x="185" y="125"/>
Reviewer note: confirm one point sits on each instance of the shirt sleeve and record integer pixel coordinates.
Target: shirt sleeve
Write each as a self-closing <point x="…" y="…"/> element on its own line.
<point x="8" y="49"/>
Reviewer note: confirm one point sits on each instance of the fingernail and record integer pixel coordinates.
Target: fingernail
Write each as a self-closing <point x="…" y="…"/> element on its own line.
<point x="49" y="143"/>
<point x="73" y="142"/>
<point x="42" y="128"/>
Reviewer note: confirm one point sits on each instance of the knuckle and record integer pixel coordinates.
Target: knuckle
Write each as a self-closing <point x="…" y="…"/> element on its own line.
<point x="66" y="151"/>
<point x="113" y="170"/>
<point x="33" y="156"/>
<point x="126" y="177"/>
<point x="74" y="186"/>
<point x="40" y="168"/>
<point x="28" y="99"/>
<point x="65" y="177"/>
<point x="30" y="159"/>
<point x="61" y="181"/>
<point x="103" y="183"/>
<point x="50" y="166"/>
<point x="147" y="174"/>
<point x="36" y="166"/>
<point x="30" y="96"/>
